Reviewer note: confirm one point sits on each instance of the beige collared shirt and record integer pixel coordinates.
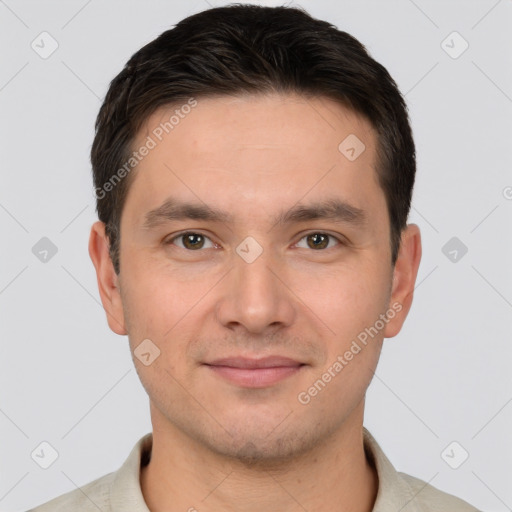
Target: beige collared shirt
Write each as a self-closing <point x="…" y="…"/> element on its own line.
<point x="120" y="491"/>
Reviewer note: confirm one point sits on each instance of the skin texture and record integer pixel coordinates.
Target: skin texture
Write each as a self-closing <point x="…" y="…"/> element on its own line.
<point x="218" y="445"/>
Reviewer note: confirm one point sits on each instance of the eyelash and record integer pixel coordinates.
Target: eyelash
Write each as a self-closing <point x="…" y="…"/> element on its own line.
<point x="180" y="235"/>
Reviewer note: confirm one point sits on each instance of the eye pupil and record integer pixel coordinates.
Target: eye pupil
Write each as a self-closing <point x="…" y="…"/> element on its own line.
<point x="193" y="241"/>
<point x="318" y="241"/>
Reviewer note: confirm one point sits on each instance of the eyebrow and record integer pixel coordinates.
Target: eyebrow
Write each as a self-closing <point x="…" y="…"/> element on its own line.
<point x="333" y="209"/>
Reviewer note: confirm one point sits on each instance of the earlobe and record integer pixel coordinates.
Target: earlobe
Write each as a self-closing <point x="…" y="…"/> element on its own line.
<point x="107" y="278"/>
<point x="404" y="278"/>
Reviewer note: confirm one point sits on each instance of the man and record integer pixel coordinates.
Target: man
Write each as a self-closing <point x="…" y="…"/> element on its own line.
<point x="253" y="170"/>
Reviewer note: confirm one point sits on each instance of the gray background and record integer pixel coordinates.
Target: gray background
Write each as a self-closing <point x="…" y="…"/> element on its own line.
<point x="66" y="379"/>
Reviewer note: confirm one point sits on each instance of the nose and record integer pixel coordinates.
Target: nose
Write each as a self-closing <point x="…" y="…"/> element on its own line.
<point x="255" y="296"/>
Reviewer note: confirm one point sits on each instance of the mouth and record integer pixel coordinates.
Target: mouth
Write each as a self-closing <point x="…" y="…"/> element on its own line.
<point x="255" y="373"/>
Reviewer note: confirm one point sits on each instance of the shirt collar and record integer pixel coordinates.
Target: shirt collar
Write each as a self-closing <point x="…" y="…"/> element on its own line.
<point x="394" y="492"/>
<point x="125" y="493"/>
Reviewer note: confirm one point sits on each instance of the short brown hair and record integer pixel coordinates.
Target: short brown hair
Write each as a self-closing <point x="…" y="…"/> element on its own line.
<point x="252" y="49"/>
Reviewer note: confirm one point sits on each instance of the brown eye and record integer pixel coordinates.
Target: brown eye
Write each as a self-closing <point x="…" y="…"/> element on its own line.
<point x="319" y="241"/>
<point x="190" y="241"/>
<point x="193" y="241"/>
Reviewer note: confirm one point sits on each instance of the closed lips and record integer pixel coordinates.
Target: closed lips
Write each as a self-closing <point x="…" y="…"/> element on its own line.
<point x="254" y="364"/>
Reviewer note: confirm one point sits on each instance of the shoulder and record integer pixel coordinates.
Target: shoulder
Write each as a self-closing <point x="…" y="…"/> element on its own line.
<point x="88" y="498"/>
<point x="400" y="491"/>
<point x="428" y="498"/>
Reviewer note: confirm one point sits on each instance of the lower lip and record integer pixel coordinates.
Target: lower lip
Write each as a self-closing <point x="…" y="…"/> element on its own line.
<point x="255" y="377"/>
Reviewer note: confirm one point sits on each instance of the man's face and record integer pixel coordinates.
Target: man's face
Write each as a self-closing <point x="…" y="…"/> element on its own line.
<point x="299" y="287"/>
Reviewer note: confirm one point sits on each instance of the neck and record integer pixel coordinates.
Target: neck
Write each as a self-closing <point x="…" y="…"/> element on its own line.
<point x="183" y="475"/>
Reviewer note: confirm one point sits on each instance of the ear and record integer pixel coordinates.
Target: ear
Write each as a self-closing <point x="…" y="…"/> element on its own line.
<point x="108" y="282"/>
<point x="404" y="278"/>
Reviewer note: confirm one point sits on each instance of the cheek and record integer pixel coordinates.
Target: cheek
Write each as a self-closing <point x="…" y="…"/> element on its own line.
<point x="347" y="300"/>
<point x="341" y="385"/>
<point x="165" y="311"/>
<point x="154" y="291"/>
<point x="351" y="306"/>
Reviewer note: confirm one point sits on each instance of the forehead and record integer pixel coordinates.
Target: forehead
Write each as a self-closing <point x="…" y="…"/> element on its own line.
<point x="222" y="124"/>
<point x="256" y="153"/>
